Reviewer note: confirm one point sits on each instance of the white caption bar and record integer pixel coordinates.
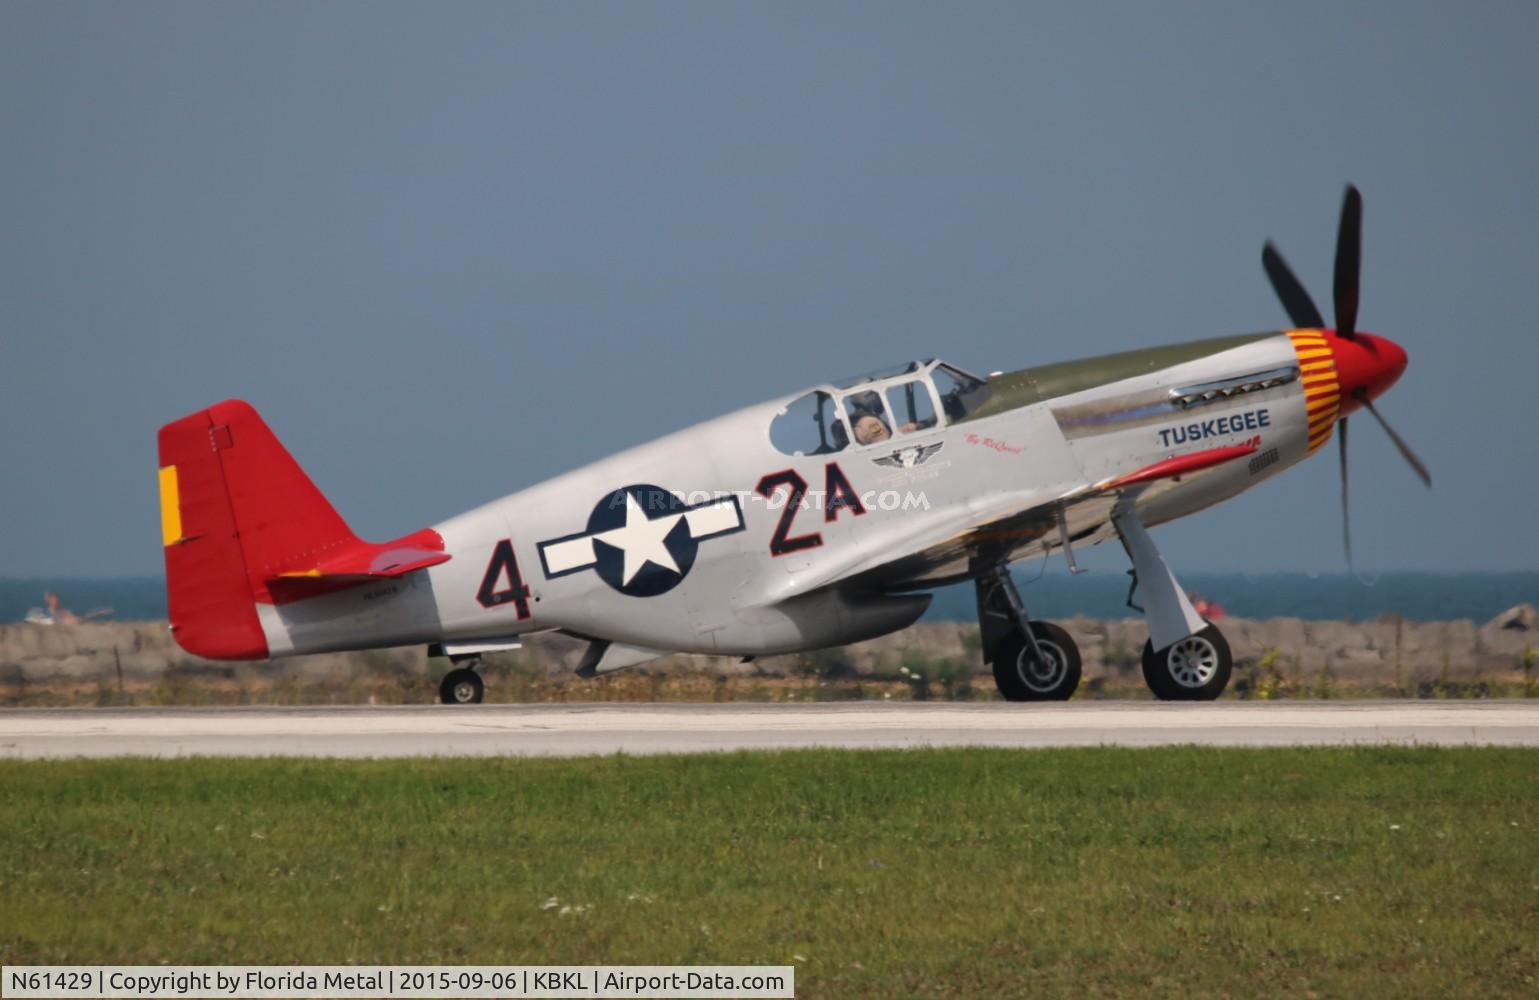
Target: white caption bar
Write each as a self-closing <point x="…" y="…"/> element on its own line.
<point x="159" y="981"/>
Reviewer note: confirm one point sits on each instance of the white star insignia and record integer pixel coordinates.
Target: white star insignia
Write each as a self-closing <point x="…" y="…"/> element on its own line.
<point x="642" y="539"/>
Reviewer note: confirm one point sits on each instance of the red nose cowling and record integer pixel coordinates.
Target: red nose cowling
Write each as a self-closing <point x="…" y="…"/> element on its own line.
<point x="1365" y="367"/>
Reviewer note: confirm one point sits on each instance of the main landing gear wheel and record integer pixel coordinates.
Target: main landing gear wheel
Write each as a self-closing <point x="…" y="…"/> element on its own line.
<point x="1021" y="677"/>
<point x="1196" y="668"/>
<point x="461" y="687"/>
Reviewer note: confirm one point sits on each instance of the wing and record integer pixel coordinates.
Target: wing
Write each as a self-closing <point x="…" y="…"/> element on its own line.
<point x="1004" y="526"/>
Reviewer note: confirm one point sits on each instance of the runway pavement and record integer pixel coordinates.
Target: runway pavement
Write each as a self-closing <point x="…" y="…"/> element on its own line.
<point x="579" y="729"/>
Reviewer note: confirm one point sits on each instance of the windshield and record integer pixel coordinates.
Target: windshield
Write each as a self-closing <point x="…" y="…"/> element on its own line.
<point x="960" y="393"/>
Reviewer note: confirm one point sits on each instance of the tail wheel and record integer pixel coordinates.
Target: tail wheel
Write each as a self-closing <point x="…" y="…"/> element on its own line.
<point x="1020" y="676"/>
<point x="461" y="687"/>
<point x="1196" y="668"/>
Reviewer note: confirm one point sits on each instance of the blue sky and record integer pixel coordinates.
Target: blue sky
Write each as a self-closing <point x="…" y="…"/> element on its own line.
<point x="450" y="250"/>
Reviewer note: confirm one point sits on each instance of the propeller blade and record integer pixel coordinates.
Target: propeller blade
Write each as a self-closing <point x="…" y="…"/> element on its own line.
<point x="1346" y="526"/>
<point x="1301" y="308"/>
<point x="1349" y="253"/>
<point x="1405" y="449"/>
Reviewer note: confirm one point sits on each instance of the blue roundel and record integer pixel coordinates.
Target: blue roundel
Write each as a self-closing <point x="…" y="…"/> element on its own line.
<point x="642" y="543"/>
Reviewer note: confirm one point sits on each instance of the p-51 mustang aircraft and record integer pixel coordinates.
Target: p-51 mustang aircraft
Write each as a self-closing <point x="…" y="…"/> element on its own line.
<point x="815" y="520"/>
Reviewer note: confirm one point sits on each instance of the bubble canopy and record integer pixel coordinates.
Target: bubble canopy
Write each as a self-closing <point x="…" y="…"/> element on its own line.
<point x="902" y="401"/>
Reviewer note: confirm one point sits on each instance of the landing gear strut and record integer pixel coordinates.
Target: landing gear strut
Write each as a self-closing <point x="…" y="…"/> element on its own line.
<point x="1032" y="660"/>
<point x="1186" y="657"/>
<point x="462" y="685"/>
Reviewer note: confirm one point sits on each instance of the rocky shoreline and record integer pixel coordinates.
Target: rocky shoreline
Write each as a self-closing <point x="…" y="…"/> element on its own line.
<point x="118" y="662"/>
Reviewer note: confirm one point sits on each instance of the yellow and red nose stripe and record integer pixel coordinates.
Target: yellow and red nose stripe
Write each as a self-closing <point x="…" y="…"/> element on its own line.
<point x="1322" y="392"/>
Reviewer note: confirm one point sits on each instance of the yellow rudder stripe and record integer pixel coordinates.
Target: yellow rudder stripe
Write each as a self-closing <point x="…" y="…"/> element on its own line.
<point x="170" y="507"/>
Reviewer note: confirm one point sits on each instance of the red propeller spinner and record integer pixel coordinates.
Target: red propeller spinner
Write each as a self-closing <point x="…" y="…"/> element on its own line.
<point x="1366" y="366"/>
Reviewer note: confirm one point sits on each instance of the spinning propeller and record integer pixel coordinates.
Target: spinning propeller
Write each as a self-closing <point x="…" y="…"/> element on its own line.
<point x="1366" y="365"/>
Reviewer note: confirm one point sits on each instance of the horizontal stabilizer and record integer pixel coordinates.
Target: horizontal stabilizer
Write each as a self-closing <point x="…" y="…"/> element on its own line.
<point x="362" y="561"/>
<point x="243" y="526"/>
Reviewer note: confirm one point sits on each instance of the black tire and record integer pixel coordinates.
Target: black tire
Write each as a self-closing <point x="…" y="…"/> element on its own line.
<point x="461" y="687"/>
<point x="1018" y="676"/>
<point x="1195" y="669"/>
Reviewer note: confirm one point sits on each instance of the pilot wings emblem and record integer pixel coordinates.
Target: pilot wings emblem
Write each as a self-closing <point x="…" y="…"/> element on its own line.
<point x="908" y="458"/>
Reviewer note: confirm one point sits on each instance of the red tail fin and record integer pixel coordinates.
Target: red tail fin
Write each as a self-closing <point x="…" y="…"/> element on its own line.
<point x="243" y="524"/>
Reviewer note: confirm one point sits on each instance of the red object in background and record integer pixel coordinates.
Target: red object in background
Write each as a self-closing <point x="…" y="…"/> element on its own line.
<point x="1211" y="610"/>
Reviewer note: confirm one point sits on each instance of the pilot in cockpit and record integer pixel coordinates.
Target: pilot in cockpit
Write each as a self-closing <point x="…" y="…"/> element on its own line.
<point x="870" y="428"/>
<point x="866" y="419"/>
